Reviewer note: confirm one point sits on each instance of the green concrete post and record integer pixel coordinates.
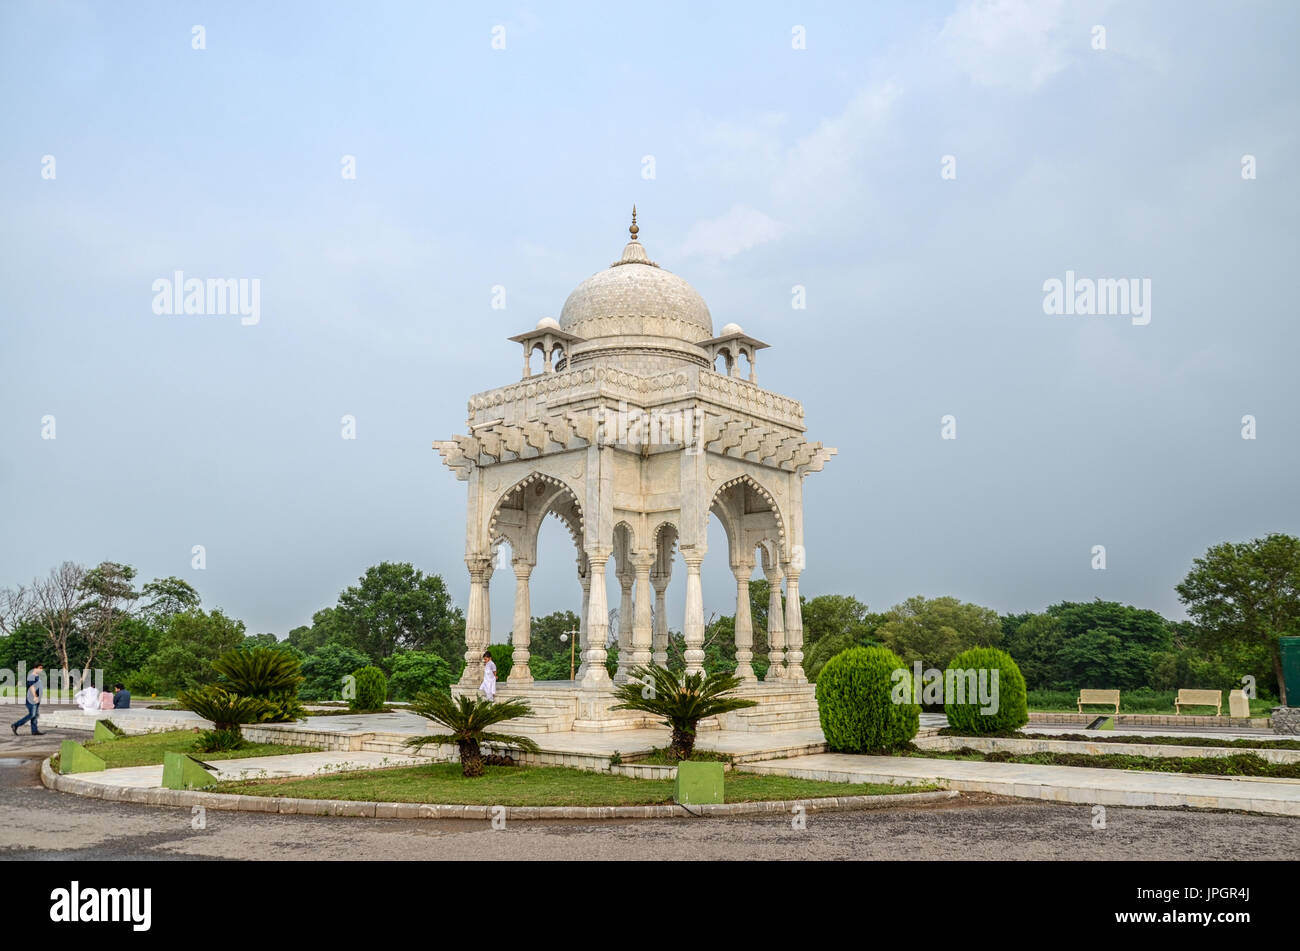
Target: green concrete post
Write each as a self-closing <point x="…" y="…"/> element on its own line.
<point x="181" y="771"/>
<point x="75" y="758"/>
<point x="698" y="783"/>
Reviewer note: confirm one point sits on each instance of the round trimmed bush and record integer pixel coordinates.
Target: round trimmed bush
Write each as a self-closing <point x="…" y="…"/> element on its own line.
<point x="1009" y="698"/>
<point x="372" y="689"/>
<point x="863" y="706"/>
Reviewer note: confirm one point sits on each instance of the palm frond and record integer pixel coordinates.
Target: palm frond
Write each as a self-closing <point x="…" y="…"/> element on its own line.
<point x="419" y="742"/>
<point x="468" y="718"/>
<point x="682" y="700"/>
<point x="524" y="743"/>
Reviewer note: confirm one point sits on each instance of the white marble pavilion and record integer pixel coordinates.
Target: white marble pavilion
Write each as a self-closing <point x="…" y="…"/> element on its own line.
<point x="638" y="427"/>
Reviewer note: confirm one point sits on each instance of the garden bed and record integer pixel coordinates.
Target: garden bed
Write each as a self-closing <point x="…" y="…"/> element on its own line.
<point x="1232" y="764"/>
<point x="147" y="749"/>
<point x="535" y="786"/>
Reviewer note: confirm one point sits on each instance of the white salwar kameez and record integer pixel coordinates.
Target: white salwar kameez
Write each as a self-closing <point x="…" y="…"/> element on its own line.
<point x="489" y="685"/>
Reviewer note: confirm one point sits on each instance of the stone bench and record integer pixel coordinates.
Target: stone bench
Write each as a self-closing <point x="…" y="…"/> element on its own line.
<point x="1109" y="697"/>
<point x="1199" y="698"/>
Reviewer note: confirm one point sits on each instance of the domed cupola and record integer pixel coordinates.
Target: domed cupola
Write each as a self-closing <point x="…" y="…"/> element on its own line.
<point x="636" y="313"/>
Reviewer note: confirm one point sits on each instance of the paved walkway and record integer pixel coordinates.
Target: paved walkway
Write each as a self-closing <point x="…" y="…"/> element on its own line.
<point x="1080" y="784"/>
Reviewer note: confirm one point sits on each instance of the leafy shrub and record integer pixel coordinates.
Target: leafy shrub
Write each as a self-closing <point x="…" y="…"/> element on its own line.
<point x="323" y="671"/>
<point x="268" y="673"/>
<point x="219" y="741"/>
<point x="862" y="706"/>
<point x="503" y="657"/>
<point x="1010" y="707"/>
<point x="371" y="689"/>
<point x="225" y="709"/>
<point x="416" y="671"/>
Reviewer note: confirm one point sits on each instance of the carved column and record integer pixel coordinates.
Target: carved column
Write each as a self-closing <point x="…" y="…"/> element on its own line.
<point x="693" y="627"/>
<point x="744" y="624"/>
<point x="521" y="630"/>
<point x="478" y="620"/>
<point x="596" y="677"/>
<point x="793" y="627"/>
<point x="775" y="625"/>
<point x="640" y="653"/>
<point x="585" y="581"/>
<point x="625" y="577"/>
<point x="659" y="655"/>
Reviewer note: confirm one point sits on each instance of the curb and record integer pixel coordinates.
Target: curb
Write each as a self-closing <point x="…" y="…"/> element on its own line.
<point x="412" y="810"/>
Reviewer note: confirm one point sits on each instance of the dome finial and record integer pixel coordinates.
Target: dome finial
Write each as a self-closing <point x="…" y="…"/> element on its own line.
<point x="634" y="229"/>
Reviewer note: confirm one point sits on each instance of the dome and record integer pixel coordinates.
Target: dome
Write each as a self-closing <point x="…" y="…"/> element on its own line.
<point x="548" y="323"/>
<point x="730" y="329"/>
<point x="636" y="297"/>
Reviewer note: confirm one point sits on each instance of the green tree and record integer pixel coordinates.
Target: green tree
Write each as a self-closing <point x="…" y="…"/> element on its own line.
<point x="395" y="606"/>
<point x="1248" y="592"/>
<point x="415" y="672"/>
<point x="1106" y="644"/>
<point x="1035" y="640"/>
<point x="27" y="644"/>
<point x="164" y="597"/>
<point x="323" y="671"/>
<point x="830" y="614"/>
<point x="110" y="592"/>
<point x="544" y="642"/>
<point x="933" y="630"/>
<point x="137" y="642"/>
<point x="191" y="642"/>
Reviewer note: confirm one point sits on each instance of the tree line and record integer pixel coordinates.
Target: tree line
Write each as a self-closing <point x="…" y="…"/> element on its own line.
<point x="1240" y="598"/>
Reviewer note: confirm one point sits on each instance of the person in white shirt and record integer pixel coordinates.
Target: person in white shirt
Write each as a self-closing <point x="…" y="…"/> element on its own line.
<point x="489" y="684"/>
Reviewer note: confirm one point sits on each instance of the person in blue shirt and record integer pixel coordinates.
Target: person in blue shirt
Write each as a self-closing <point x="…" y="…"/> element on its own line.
<point x="121" y="697"/>
<point x="35" y="688"/>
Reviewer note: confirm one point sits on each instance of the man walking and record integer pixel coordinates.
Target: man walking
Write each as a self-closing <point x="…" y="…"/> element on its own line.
<point x="34" y="691"/>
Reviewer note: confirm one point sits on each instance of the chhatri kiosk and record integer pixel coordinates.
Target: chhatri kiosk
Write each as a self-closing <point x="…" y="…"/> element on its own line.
<point x="639" y="425"/>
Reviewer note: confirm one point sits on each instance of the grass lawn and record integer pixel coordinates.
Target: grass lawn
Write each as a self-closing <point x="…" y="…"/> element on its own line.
<point x="535" y="786"/>
<point x="1239" y="764"/>
<point x="148" y="749"/>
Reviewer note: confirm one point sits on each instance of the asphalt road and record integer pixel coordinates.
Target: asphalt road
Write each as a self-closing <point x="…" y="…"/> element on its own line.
<point x="36" y="823"/>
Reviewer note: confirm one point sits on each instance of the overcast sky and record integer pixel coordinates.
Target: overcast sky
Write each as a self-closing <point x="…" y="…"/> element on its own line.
<point x="773" y="167"/>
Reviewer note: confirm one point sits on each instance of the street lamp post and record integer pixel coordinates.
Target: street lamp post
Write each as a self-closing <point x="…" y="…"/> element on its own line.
<point x="572" y="638"/>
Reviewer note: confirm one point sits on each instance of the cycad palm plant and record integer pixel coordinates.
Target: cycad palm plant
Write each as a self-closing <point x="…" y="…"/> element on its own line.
<point x="468" y="719"/>
<point x="268" y="673"/>
<point x="682" y="701"/>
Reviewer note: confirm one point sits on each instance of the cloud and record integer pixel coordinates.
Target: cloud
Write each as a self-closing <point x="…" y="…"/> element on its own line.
<point x="727" y="235"/>
<point x="1016" y="44"/>
<point x="808" y="182"/>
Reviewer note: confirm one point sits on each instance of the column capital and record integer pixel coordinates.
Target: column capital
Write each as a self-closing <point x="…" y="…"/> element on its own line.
<point x="743" y="570"/>
<point x="694" y="557"/>
<point x="642" y="561"/>
<point x="480" y="567"/>
<point x="522" y="568"/>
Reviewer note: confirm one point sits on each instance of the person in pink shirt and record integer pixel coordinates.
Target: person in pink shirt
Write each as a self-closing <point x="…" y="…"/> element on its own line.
<point x="106" y="700"/>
